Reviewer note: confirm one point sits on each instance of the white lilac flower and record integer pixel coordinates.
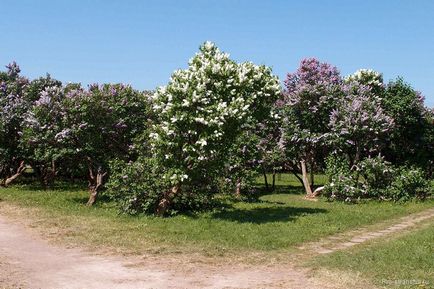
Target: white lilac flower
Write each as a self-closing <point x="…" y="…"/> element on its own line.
<point x="202" y="142"/>
<point x="201" y="120"/>
<point x="185" y="103"/>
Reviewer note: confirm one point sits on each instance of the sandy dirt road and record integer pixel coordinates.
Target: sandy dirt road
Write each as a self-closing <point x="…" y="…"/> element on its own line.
<point x="27" y="261"/>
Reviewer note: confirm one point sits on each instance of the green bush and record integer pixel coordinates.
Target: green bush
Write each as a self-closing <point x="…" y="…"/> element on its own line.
<point x="376" y="176"/>
<point x="343" y="183"/>
<point x="135" y="186"/>
<point x="344" y="188"/>
<point x="407" y="184"/>
<point x="373" y="178"/>
<point x="138" y="187"/>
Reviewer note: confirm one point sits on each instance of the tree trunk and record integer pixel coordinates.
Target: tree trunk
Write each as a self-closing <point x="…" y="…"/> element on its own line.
<point x="265" y="178"/>
<point x="356" y="162"/>
<point x="238" y="189"/>
<point x="312" y="176"/>
<point x="93" y="194"/>
<point x="6" y="182"/>
<point x="298" y="177"/>
<point x="273" y="186"/>
<point x="47" y="174"/>
<point x="317" y="192"/>
<point x="294" y="169"/>
<point x="305" y="179"/>
<point x="166" y="202"/>
<point x="95" y="184"/>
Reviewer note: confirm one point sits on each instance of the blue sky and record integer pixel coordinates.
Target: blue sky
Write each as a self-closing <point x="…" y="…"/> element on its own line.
<point x="142" y="42"/>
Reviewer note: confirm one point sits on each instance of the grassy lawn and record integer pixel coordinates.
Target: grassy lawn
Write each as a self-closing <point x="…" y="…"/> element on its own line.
<point x="273" y="224"/>
<point x="404" y="262"/>
<point x="286" y="180"/>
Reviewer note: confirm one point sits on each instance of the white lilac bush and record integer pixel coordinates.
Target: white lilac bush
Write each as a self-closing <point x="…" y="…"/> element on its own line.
<point x="368" y="77"/>
<point x="200" y="113"/>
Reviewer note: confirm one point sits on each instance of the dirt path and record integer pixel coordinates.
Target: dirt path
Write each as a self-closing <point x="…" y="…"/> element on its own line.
<point x="355" y="237"/>
<point x="29" y="262"/>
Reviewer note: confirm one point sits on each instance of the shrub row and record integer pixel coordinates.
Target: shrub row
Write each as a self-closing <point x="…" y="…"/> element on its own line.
<point x="213" y="128"/>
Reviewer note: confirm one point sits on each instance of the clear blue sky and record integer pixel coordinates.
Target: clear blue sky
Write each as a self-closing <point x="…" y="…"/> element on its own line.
<point x="142" y="42"/>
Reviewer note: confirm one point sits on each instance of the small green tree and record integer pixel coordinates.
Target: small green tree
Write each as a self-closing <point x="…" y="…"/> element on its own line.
<point x="405" y="105"/>
<point x="428" y="143"/>
<point x="242" y="162"/>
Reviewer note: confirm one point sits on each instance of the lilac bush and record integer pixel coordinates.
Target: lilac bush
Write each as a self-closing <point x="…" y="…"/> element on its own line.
<point x="42" y="123"/>
<point x="373" y="178"/>
<point x="201" y="113"/>
<point x="13" y="107"/>
<point x="310" y="95"/>
<point x="214" y="127"/>
<point x="99" y="125"/>
<point x="359" y="126"/>
<point x="368" y="77"/>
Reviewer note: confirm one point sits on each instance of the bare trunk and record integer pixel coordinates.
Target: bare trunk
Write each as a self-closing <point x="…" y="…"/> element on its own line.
<point x="273" y="186"/>
<point x="305" y="179"/>
<point x="318" y="191"/>
<point x="93" y="194"/>
<point x="312" y="177"/>
<point x="48" y="174"/>
<point x="265" y="178"/>
<point x="238" y="189"/>
<point x="298" y="177"/>
<point x="294" y="169"/>
<point x="95" y="184"/>
<point x="356" y="162"/>
<point x="6" y="182"/>
<point x="166" y="202"/>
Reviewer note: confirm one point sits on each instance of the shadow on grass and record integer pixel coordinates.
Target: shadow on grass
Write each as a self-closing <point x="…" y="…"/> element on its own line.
<point x="266" y="215"/>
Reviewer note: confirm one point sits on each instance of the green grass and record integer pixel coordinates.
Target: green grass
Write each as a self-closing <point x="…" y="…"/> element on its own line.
<point x="274" y="223"/>
<point x="404" y="262"/>
<point x="283" y="179"/>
